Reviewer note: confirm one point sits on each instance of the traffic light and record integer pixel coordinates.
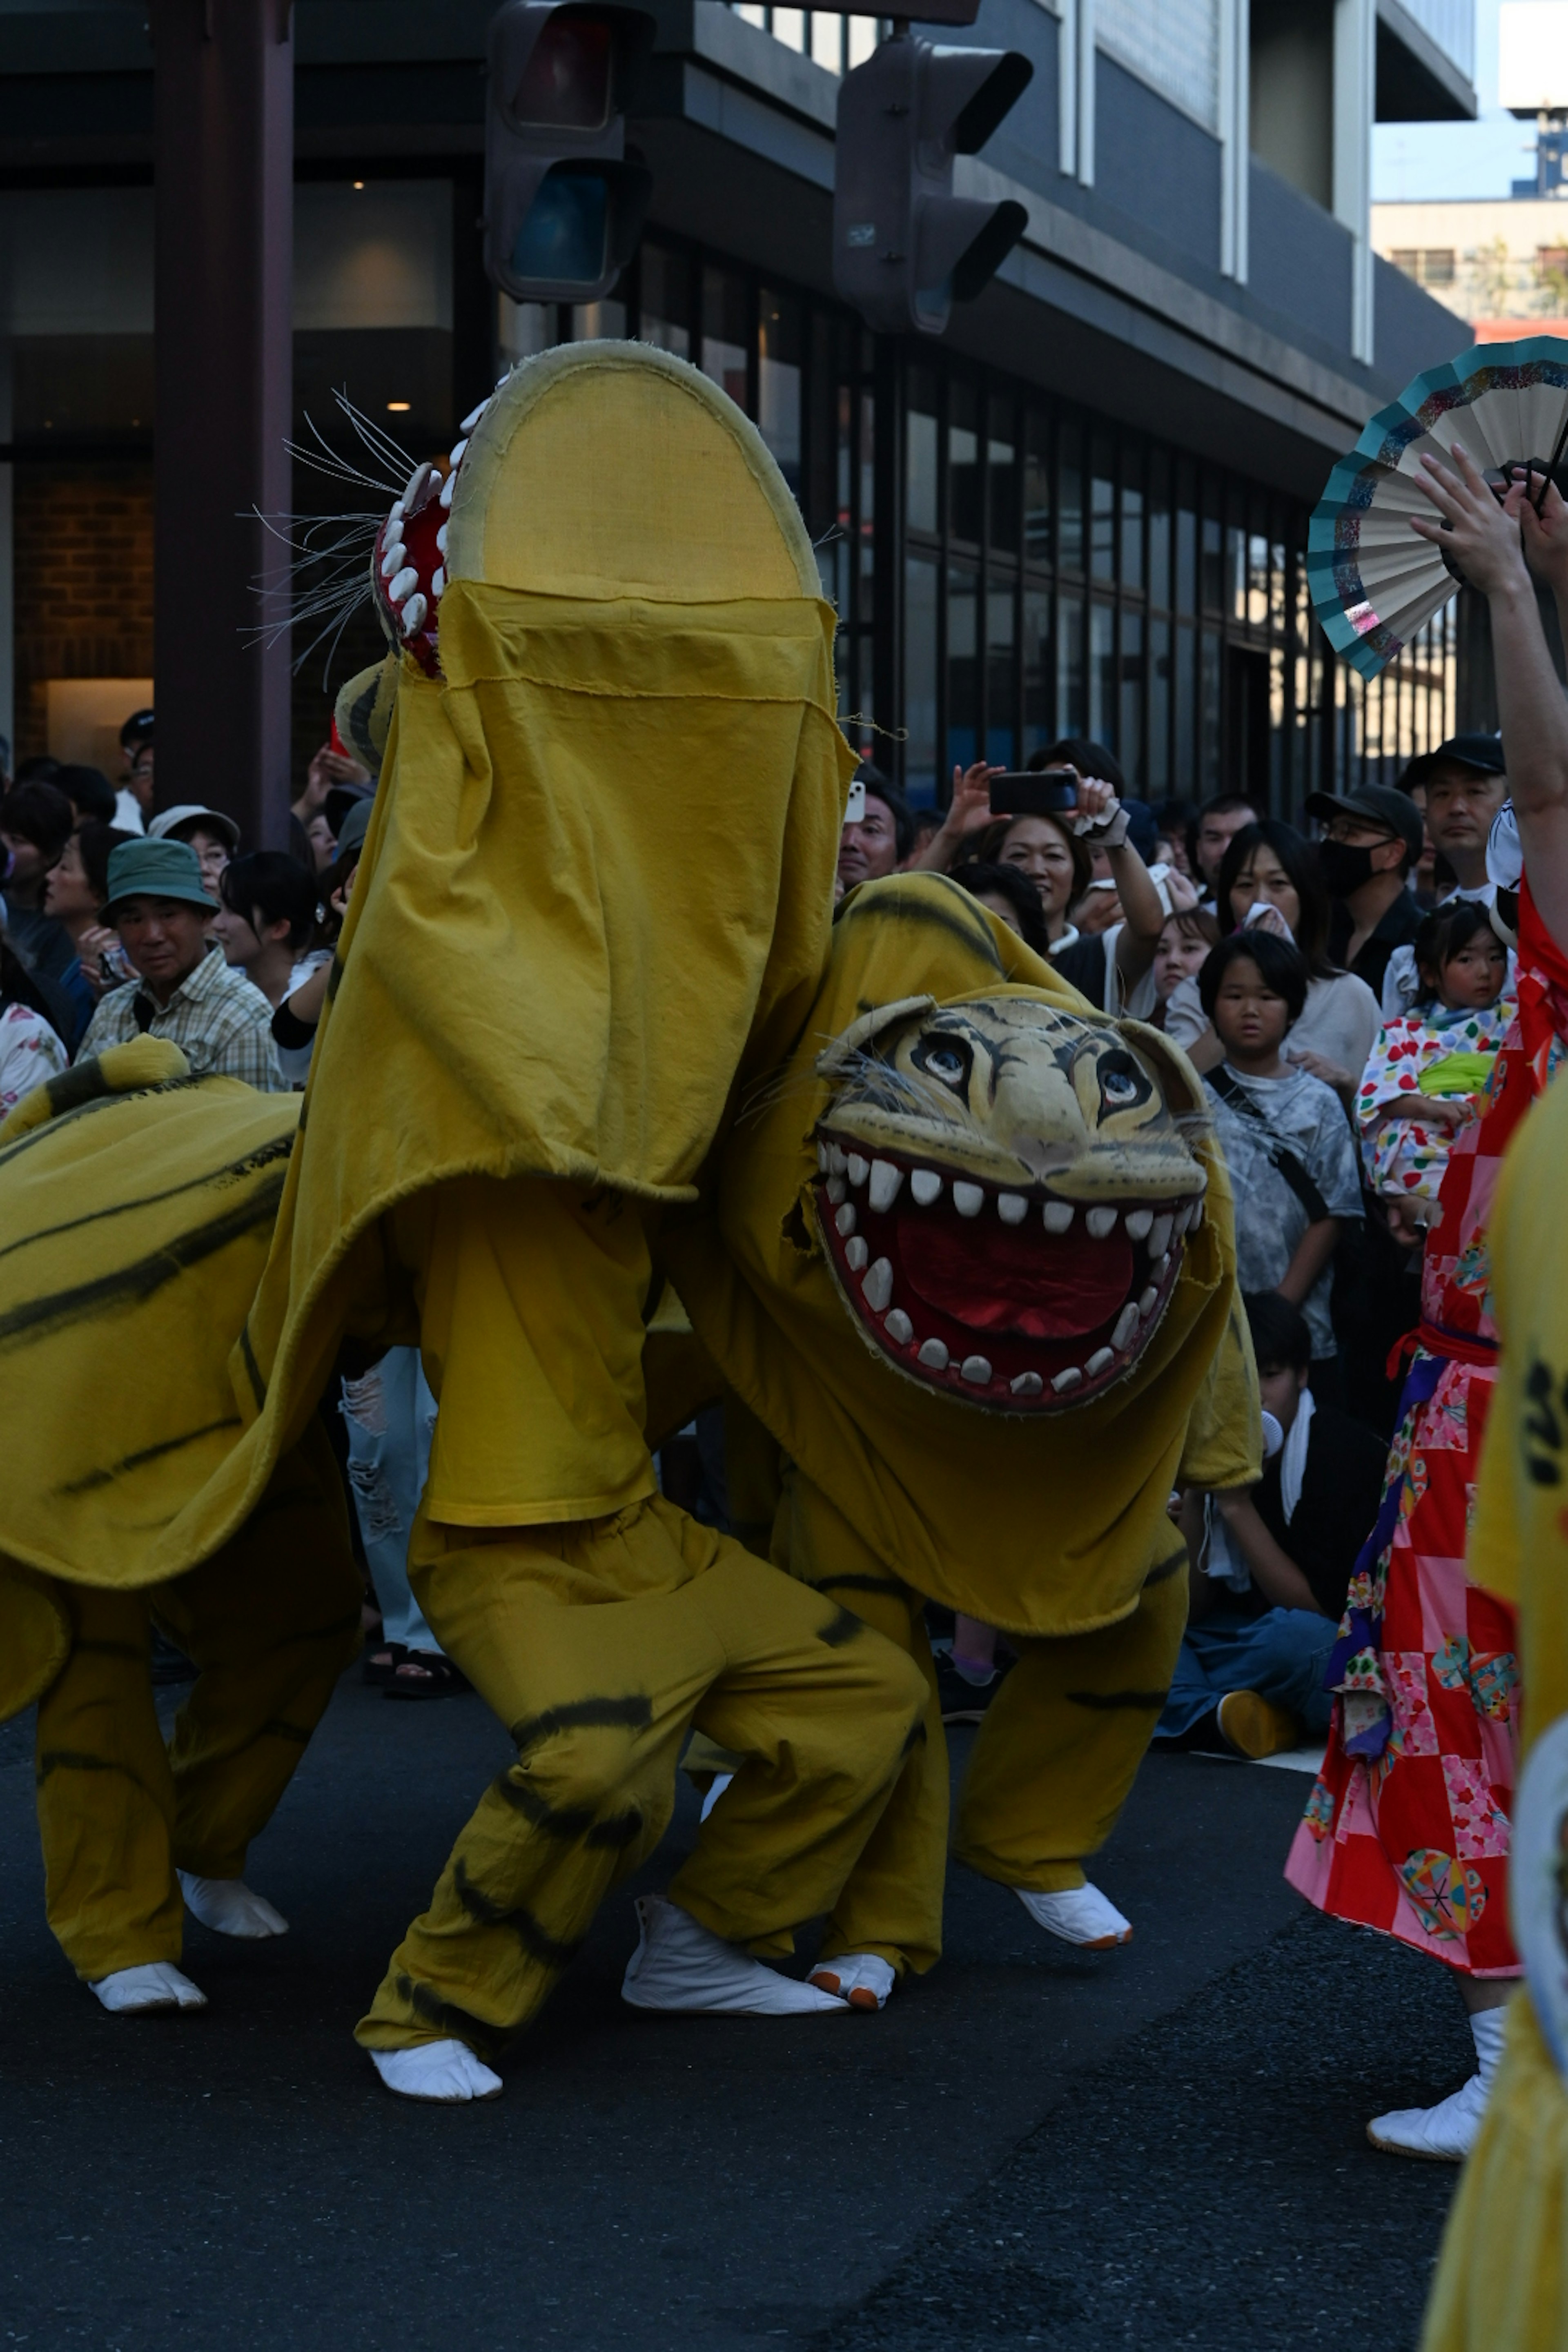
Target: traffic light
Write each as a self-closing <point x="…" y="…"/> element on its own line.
<point x="905" y="248"/>
<point x="563" y="205"/>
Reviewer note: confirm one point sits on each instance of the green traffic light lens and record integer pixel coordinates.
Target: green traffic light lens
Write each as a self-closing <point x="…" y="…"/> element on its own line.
<point x="565" y="233"/>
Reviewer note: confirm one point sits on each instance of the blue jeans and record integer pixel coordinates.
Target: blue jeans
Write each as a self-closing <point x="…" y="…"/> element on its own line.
<point x="1280" y="1655"/>
<point x="390" y="1415"/>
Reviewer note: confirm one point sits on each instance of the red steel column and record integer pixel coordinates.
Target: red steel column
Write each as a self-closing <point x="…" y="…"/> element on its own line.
<point x="224" y="127"/>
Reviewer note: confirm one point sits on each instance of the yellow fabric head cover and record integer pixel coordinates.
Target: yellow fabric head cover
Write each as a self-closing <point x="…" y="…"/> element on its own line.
<point x="596" y="889"/>
<point x="1007" y="1180"/>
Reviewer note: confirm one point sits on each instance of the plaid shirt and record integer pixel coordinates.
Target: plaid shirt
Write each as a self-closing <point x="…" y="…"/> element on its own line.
<point x="220" y="1022"/>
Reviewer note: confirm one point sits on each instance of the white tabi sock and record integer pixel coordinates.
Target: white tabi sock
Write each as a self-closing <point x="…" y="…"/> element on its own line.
<point x="678" y="1965"/>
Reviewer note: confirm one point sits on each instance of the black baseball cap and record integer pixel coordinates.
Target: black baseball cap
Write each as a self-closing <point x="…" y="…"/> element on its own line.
<point x="1378" y="804"/>
<point x="137" y="731"/>
<point x="1482" y="752"/>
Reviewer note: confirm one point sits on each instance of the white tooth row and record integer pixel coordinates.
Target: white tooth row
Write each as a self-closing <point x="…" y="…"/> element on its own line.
<point x="884" y="1182"/>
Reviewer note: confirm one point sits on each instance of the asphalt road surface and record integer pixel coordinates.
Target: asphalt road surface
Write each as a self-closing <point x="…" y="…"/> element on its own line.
<point x="1159" y="2147"/>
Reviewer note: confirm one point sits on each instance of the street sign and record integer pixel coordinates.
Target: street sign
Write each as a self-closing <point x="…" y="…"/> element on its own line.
<point x="905" y="248"/>
<point x="563" y="203"/>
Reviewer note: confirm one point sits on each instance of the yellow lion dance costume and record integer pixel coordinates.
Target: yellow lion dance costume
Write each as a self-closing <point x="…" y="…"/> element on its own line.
<point x="971" y="1266"/>
<point x="594" y="896"/>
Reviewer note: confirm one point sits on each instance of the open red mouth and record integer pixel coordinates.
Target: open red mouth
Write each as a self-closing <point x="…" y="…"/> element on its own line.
<point x="1019" y="1300"/>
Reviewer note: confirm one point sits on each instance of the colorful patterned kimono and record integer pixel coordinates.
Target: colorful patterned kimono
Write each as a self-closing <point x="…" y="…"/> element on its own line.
<point x="1419" y="1055"/>
<point x="1406" y="1829"/>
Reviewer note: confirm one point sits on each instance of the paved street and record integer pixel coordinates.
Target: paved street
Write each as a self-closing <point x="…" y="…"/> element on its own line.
<point x="1160" y="2147"/>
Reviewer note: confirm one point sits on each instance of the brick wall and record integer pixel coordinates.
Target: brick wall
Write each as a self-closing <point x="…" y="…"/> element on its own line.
<point x="83" y="558"/>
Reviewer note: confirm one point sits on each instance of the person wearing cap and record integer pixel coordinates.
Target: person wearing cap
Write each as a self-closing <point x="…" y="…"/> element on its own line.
<point x="1463" y="785"/>
<point x="184" y="991"/>
<point x="214" y="836"/>
<point x="1371" y="840"/>
<point x="134" y="801"/>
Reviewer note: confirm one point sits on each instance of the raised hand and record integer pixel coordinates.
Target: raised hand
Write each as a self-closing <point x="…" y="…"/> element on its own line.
<point x="1482" y="537"/>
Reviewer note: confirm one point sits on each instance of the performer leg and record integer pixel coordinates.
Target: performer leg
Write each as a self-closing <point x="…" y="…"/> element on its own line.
<point x="1057" y="1752"/>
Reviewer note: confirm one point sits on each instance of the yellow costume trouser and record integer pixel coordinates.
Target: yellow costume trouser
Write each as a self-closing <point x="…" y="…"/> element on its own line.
<point x="1054" y="1760"/>
<point x="599" y="1645"/>
<point x="1502" y="2275"/>
<point x="599" y="1624"/>
<point x="270" y="1620"/>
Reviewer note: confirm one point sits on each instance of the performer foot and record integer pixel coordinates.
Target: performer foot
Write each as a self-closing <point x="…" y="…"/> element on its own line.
<point x="228" y="1905"/>
<point x="1078" y="1914"/>
<point x="141" y="1992"/>
<point x="1446" y="2133"/>
<point x="859" y="1978"/>
<point x="678" y="1965"/>
<point x="446" y="2072"/>
<point x="1255" y="1727"/>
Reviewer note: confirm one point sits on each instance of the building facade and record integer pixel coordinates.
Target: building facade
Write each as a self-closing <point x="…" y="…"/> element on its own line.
<point x="1083" y="511"/>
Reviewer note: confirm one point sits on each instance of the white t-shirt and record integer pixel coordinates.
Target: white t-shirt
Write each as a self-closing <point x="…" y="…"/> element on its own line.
<point x="294" y="1061"/>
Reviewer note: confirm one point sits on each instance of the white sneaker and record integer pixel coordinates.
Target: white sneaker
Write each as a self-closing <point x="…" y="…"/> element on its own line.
<point x="446" y="2072"/>
<point x="1079" y="1915"/>
<point x="141" y="1992"/>
<point x="1444" y="2133"/>
<point x="859" y="1978"/>
<point x="228" y="1905"/>
<point x="678" y="1965"/>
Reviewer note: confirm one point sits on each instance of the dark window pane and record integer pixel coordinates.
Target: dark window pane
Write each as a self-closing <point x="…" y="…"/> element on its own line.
<point x="1235" y="598"/>
<point x="1159" y="528"/>
<point x="1130" y="717"/>
<point x="1102" y="674"/>
<point x="724" y="331"/>
<point x="1102" y="511"/>
<point x="1002" y="476"/>
<point x="999" y="678"/>
<point x="922" y="484"/>
<point x="1069" y="505"/>
<point x="1069" y="666"/>
<point x="1157" y="764"/>
<point x="1187" y="540"/>
<point x="1037" y="700"/>
<point x="1211" y="569"/>
<point x="963" y="668"/>
<point x="963" y="462"/>
<point x="1132" y="518"/>
<point x="1037" y="490"/>
<point x="663" y="300"/>
<point x="867" y="504"/>
<point x="1184" y="773"/>
<point x="919" y="672"/>
<point x="778" y="381"/>
<point x="1209" y="728"/>
<point x="821" y="504"/>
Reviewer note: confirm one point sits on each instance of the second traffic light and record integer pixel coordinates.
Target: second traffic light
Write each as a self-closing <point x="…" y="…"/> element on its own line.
<point x="905" y="248"/>
<point x="564" y="205"/>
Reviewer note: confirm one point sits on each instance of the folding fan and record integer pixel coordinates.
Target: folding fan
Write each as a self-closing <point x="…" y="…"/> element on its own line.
<point x="1372" y="581"/>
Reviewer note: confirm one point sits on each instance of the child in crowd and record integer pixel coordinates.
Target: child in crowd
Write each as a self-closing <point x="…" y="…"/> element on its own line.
<point x="1429" y="1064"/>
<point x="1269" y="1565"/>
<point x="1285" y="1139"/>
<point x="1185" y="939"/>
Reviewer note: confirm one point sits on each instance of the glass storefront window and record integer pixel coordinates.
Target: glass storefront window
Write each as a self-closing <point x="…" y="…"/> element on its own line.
<point x="1002" y="476"/>
<point x="1102" y="673"/>
<point x="1037" y="488"/>
<point x="1069" y="501"/>
<point x="664" y="300"/>
<point x="1129" y="714"/>
<point x="724" y="338"/>
<point x="921" y="442"/>
<point x="963" y="668"/>
<point x="1157" y="765"/>
<point x="1184" y="777"/>
<point x="1132" y="518"/>
<point x="1210" y="725"/>
<point x="1069" y="666"/>
<point x="1159" y="528"/>
<point x="1101" y="509"/>
<point x="963" y="462"/>
<point x="999" y="687"/>
<point x="1038" y="730"/>
<point x="919" y="678"/>
<point x="594" y="322"/>
<point x="778" y="381"/>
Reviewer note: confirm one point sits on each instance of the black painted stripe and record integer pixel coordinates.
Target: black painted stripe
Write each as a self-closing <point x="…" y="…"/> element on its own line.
<point x="574" y="1822"/>
<point x="634" y="1713"/>
<point x="893" y="1584"/>
<point x="50" y="1128"/>
<point x="139" y="1461"/>
<point x="904" y="906"/>
<point x="1106" y="1701"/>
<point x="251" y="1164"/>
<point x="275" y="1728"/>
<point x="1170" y="1566"/>
<point x="252" y="1368"/>
<point x="457" y="2024"/>
<point x="536" y="1940"/>
<point x="841" y="1628"/>
<point x="133" y="1284"/>
<point x="82" y="1084"/>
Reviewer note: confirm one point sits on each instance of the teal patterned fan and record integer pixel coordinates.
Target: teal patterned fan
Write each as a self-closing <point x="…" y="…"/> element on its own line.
<point x="1373" y="582"/>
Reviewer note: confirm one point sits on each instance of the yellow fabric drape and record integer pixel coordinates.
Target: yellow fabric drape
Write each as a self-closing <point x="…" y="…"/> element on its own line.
<point x="1041" y="1527"/>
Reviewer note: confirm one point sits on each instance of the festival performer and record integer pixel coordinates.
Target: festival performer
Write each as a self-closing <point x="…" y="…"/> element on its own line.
<point x="1407" y="1827"/>
<point x="970" y="1264"/>
<point x="541" y="1007"/>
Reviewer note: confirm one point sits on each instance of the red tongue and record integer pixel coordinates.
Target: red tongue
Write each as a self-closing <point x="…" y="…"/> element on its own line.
<point x="1015" y="1277"/>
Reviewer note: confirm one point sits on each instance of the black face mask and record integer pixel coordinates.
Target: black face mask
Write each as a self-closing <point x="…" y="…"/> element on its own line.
<point x="1343" y="867"/>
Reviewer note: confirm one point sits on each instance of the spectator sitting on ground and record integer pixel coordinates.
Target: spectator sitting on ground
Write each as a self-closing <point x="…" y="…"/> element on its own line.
<point x="1371" y="839"/>
<point x="1287" y="1141"/>
<point x="1210" y="833"/>
<point x="214" y="836"/>
<point x="1269" y="877"/>
<point x="134" y="803"/>
<point x="36" y="820"/>
<point x="877" y="842"/>
<point x="1009" y="893"/>
<point x="1460" y="787"/>
<point x="1185" y="939"/>
<point x="1268" y="1565"/>
<point x="89" y="793"/>
<point x="75" y="895"/>
<point x="31" y="1049"/>
<point x="183" y="991"/>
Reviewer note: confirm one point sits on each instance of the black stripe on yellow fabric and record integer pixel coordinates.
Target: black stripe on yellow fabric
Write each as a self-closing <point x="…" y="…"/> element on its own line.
<point x="275" y="1728"/>
<point x="1149" y="1702"/>
<point x="83" y="1084"/>
<point x="232" y="1170"/>
<point x="629" y="1714"/>
<point x="458" y="2025"/>
<point x="840" y="1629"/>
<point x="918" y="1735"/>
<point x="1171" y="1566"/>
<point x="901" y="908"/>
<point x="85" y="1647"/>
<point x="569" y="1822"/>
<point x="893" y="1584"/>
<point x="252" y="1368"/>
<point x="52" y="1128"/>
<point x="132" y="1284"/>
<point x="539" y="1945"/>
<point x="76" y="1760"/>
<point x="139" y="1461"/>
